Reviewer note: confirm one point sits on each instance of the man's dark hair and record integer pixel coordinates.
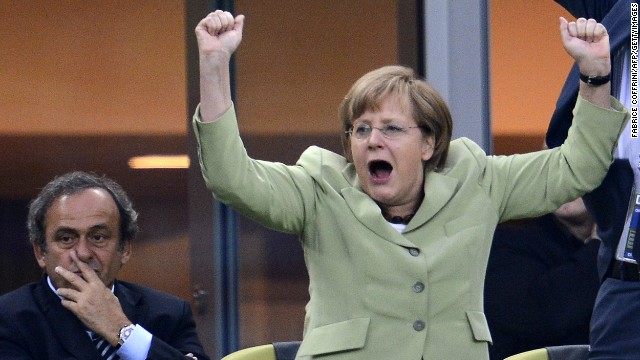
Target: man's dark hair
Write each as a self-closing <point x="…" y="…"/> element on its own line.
<point x="73" y="183"/>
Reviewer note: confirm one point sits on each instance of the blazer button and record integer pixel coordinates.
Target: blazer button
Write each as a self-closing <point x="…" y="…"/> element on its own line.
<point x="414" y="251"/>
<point x="418" y="325"/>
<point x="418" y="287"/>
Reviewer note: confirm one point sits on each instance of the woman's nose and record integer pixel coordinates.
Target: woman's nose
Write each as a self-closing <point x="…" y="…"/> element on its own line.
<point x="376" y="138"/>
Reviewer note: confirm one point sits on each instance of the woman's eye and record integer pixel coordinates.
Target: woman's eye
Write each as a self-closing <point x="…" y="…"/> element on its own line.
<point x="362" y="129"/>
<point x="394" y="129"/>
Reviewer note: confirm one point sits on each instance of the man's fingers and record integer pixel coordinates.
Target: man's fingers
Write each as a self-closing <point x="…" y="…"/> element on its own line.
<point x="73" y="279"/>
<point x="68" y="294"/>
<point x="88" y="273"/>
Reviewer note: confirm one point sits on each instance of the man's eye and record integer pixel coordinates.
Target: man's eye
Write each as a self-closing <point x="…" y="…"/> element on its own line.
<point x="99" y="238"/>
<point x="362" y="129"/>
<point x="65" y="239"/>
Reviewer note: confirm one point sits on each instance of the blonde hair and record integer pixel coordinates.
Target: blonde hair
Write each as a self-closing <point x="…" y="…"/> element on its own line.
<point x="430" y="111"/>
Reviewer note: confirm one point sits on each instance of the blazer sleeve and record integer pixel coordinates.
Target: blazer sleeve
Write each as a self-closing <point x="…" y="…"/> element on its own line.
<point x="533" y="184"/>
<point x="270" y="193"/>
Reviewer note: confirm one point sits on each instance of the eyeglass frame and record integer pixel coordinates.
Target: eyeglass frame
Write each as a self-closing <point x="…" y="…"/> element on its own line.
<point x="401" y="131"/>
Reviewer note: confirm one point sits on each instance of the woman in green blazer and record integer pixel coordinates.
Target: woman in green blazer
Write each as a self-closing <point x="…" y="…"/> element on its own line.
<point x="396" y="233"/>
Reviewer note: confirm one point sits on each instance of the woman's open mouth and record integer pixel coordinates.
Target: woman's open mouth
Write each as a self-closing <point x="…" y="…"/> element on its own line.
<point x="380" y="171"/>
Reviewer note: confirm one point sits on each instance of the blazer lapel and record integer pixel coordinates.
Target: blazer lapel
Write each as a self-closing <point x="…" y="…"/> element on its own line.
<point x="369" y="214"/>
<point x="64" y="324"/>
<point x="438" y="190"/>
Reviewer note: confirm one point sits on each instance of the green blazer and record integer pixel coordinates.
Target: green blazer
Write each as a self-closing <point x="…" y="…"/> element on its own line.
<point x="376" y="293"/>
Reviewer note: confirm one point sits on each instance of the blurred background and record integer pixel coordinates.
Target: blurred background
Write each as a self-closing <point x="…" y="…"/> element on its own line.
<point x="87" y="85"/>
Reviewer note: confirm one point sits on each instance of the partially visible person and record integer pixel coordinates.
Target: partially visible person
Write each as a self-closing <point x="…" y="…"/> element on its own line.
<point x="396" y="233"/>
<point x="81" y="227"/>
<point x="615" y="323"/>
<point x="542" y="281"/>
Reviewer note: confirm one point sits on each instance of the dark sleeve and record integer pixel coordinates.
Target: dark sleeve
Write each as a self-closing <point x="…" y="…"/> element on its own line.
<point x="533" y="298"/>
<point x="286" y="350"/>
<point x="568" y="291"/>
<point x="172" y="339"/>
<point x="23" y="334"/>
<point x="608" y="203"/>
<point x="595" y="9"/>
<point x="10" y="347"/>
<point x="562" y="115"/>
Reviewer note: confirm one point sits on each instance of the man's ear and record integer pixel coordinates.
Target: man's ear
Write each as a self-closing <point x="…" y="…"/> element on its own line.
<point x="39" y="254"/>
<point x="127" y="250"/>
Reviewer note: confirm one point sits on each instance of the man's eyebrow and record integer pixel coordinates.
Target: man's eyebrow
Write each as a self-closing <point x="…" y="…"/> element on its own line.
<point x="101" y="227"/>
<point x="65" y="229"/>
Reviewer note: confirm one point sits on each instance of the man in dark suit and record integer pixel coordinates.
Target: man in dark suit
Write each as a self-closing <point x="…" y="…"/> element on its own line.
<point x="81" y="227"/>
<point x="615" y="323"/>
<point x="541" y="281"/>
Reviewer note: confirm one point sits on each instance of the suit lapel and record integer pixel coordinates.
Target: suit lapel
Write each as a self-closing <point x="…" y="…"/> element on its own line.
<point x="131" y="303"/>
<point x="64" y="324"/>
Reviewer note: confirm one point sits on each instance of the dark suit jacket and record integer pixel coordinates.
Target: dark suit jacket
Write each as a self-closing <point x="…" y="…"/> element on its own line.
<point x="540" y="287"/>
<point x="34" y="325"/>
<point x="608" y="203"/>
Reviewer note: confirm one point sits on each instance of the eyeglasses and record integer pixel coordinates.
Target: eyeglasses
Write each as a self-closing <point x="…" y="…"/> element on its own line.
<point x="391" y="131"/>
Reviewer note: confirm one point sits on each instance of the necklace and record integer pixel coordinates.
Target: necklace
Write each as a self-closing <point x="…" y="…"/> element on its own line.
<point x="398" y="219"/>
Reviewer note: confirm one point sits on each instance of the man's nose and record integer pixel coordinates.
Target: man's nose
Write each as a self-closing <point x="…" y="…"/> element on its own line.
<point x="83" y="249"/>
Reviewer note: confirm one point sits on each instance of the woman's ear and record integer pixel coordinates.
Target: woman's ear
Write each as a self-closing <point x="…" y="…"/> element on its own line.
<point x="428" y="146"/>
